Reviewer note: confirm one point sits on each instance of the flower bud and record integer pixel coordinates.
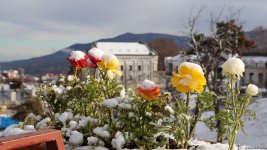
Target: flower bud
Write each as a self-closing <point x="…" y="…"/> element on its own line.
<point x="252" y="90"/>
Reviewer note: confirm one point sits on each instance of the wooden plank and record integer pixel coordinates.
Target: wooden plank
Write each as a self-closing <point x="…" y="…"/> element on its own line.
<point x="52" y="137"/>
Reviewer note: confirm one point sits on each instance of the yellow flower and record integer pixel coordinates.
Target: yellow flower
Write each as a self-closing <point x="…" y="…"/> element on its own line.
<point x="190" y="78"/>
<point x="110" y="62"/>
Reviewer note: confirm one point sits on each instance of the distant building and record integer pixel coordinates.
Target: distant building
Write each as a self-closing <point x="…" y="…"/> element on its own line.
<point x="11" y="74"/>
<point x="138" y="61"/>
<point x="256" y="70"/>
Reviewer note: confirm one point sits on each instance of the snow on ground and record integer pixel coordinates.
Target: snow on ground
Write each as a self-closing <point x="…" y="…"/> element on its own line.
<point x="256" y="130"/>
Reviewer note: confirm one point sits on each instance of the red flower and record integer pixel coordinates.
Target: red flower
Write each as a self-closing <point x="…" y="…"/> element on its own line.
<point x="95" y="56"/>
<point x="78" y="59"/>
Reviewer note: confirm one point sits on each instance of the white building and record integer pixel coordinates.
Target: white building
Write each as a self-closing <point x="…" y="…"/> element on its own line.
<point x="138" y="61"/>
<point x="256" y="70"/>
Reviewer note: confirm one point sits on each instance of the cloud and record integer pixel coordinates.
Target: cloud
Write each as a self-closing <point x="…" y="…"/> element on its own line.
<point x="67" y="22"/>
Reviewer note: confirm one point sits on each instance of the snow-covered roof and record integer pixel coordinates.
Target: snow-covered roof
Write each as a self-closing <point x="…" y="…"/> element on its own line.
<point x="181" y="57"/>
<point x="255" y="58"/>
<point x="124" y="48"/>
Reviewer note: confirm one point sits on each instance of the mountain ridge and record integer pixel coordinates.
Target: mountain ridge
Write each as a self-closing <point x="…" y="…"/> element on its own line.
<point x="57" y="61"/>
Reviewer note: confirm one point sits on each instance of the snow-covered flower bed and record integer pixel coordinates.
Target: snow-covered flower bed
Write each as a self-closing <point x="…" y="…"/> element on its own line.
<point x="96" y="112"/>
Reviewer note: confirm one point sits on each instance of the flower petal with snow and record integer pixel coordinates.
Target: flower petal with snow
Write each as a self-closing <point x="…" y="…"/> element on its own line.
<point x="234" y="66"/>
<point x="95" y="56"/>
<point x="78" y="59"/>
<point x="190" y="78"/>
<point x="76" y="138"/>
<point x="148" y="90"/>
<point x="110" y="62"/>
<point x="252" y="90"/>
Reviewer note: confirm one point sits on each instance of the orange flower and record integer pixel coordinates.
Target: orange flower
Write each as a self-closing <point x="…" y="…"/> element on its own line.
<point x="148" y="90"/>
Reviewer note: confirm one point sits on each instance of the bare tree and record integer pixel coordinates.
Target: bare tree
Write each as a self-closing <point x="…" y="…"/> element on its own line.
<point x="227" y="38"/>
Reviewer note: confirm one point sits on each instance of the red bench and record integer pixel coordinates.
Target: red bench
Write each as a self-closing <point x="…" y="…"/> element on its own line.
<point x="52" y="139"/>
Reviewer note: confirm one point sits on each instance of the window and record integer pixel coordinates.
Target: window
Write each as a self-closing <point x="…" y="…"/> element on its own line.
<point x="251" y="77"/>
<point x="139" y="67"/>
<point x="131" y="68"/>
<point x="121" y="78"/>
<point x="121" y="68"/>
<point x="266" y="65"/>
<point x="130" y="77"/>
<point x="260" y="79"/>
<point x="170" y="68"/>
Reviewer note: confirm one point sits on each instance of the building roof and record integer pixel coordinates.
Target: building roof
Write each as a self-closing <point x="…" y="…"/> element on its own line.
<point x="181" y="57"/>
<point x="125" y="48"/>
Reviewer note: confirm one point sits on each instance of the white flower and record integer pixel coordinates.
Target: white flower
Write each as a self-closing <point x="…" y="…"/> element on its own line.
<point x="76" y="138"/>
<point x="77" y="55"/>
<point x="110" y="103"/>
<point x="119" y="141"/>
<point x="252" y="90"/>
<point x="234" y="66"/>
<point x="169" y="109"/>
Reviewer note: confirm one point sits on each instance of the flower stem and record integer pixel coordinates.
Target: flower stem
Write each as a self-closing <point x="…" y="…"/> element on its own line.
<point x="75" y="72"/>
<point x="187" y="121"/>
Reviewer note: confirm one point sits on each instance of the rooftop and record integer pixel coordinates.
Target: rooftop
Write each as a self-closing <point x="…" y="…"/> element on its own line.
<point x="125" y="48"/>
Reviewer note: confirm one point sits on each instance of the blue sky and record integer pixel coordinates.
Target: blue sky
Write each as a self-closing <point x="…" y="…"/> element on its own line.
<point x="30" y="28"/>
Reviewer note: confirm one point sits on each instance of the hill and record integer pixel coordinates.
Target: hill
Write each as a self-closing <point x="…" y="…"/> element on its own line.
<point x="57" y="63"/>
